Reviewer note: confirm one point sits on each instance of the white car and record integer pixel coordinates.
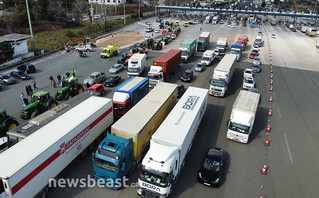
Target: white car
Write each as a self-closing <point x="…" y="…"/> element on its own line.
<point x="248" y="73"/>
<point x="157" y="31"/>
<point x="273" y="35"/>
<point x="84" y="48"/>
<point x="149" y="29"/>
<point x="257" y="61"/>
<point x="231" y="26"/>
<point x="248" y="83"/>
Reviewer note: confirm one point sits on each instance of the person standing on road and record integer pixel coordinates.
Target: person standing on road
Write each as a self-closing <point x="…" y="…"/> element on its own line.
<point x="28" y="89"/>
<point x="24" y="99"/>
<point x="67" y="74"/>
<point x="34" y="84"/>
<point x="73" y="72"/>
<point x="59" y="78"/>
<point x="52" y="81"/>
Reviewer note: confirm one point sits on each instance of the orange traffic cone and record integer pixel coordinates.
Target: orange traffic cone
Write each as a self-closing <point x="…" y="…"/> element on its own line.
<point x="270" y="113"/>
<point x="267" y="141"/>
<point x="270" y="99"/>
<point x="264" y="170"/>
<point x="268" y="128"/>
<point x="270" y="88"/>
<point x="97" y="52"/>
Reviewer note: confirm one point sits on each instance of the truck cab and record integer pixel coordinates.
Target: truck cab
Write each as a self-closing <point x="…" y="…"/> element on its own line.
<point x="113" y="159"/>
<point x="121" y="104"/>
<point x="236" y="49"/>
<point x="155" y="74"/>
<point x="109" y="51"/>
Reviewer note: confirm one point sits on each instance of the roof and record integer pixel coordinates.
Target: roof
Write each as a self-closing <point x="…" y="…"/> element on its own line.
<point x="167" y="56"/>
<point x="40" y="93"/>
<point x="131" y="84"/>
<point x="13" y="37"/>
<point x="226" y="63"/>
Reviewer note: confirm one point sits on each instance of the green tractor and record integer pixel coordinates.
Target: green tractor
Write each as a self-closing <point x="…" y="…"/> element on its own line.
<point x="157" y="45"/>
<point x="7" y="123"/>
<point x="149" y="43"/>
<point x="41" y="102"/>
<point x="70" y="88"/>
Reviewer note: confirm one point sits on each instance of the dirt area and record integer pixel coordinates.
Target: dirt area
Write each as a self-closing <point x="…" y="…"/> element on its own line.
<point x="120" y="39"/>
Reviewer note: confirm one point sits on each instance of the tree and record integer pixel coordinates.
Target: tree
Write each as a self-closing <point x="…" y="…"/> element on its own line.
<point x="8" y="4"/>
<point x="56" y="12"/>
<point x="79" y="7"/>
<point x="263" y="4"/>
<point x="6" y="51"/>
<point x="42" y="9"/>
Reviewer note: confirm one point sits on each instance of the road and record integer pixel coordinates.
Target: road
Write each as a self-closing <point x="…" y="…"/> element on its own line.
<point x="292" y="156"/>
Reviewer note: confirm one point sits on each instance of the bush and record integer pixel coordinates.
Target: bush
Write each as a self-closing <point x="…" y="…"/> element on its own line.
<point x="69" y="34"/>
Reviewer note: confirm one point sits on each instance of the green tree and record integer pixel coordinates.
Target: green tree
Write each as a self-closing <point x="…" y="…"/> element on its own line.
<point x="263" y="4"/>
<point x="6" y="51"/>
<point x="42" y="9"/>
<point x="56" y="12"/>
<point x="78" y="8"/>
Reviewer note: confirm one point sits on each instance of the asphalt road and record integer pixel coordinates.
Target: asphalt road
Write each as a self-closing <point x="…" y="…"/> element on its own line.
<point x="292" y="157"/>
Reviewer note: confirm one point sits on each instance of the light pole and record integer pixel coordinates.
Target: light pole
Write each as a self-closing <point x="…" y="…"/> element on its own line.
<point x="139" y="10"/>
<point x="124" y="15"/>
<point x="30" y="25"/>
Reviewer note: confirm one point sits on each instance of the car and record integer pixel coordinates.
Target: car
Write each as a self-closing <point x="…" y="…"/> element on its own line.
<point x="256" y="50"/>
<point x="293" y="29"/>
<point x="212" y="167"/>
<point x="112" y="80"/>
<point x="244" y="24"/>
<point x="273" y="35"/>
<point x="199" y="67"/>
<point x="248" y="83"/>
<point x="20" y="74"/>
<point x="157" y="31"/>
<point x="98" y="88"/>
<point x="256" y="61"/>
<point x="84" y="48"/>
<point x="248" y="73"/>
<point x="231" y="26"/>
<point x="149" y="29"/>
<point x="116" y="68"/>
<point x="253" y="55"/>
<point x="222" y="22"/>
<point x="148" y="23"/>
<point x="187" y="76"/>
<point x="256" y="68"/>
<point x="7" y="80"/>
<point x="27" y="67"/>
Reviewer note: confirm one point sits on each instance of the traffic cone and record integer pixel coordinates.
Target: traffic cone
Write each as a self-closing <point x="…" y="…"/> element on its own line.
<point x="270" y="113"/>
<point x="271" y="71"/>
<point x="268" y="128"/>
<point x="264" y="170"/>
<point x="270" y="99"/>
<point x="270" y="88"/>
<point x="97" y="52"/>
<point x="271" y="75"/>
<point x="267" y="141"/>
<point x="271" y="82"/>
<point x="271" y="67"/>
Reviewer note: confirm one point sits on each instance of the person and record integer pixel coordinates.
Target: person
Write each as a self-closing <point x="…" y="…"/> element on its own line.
<point x="34" y="84"/>
<point x="67" y="74"/>
<point x="73" y="72"/>
<point x="59" y="78"/>
<point x="24" y="99"/>
<point x="28" y="89"/>
<point x="52" y="81"/>
<point x="200" y="29"/>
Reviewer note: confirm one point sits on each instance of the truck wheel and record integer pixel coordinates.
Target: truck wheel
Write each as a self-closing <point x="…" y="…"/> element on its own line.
<point x="11" y="124"/>
<point x="115" y="53"/>
<point x="68" y="96"/>
<point x="34" y="113"/>
<point x="80" y="90"/>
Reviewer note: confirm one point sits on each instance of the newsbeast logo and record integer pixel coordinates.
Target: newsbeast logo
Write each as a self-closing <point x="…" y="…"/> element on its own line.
<point x="151" y="187"/>
<point x="191" y="102"/>
<point x="65" y="146"/>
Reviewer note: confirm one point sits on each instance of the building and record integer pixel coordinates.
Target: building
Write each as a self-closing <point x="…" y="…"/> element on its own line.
<point x="18" y="42"/>
<point x="108" y="2"/>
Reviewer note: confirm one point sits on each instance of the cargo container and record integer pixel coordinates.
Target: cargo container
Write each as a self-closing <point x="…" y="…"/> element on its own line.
<point x="188" y="48"/>
<point x="203" y="41"/>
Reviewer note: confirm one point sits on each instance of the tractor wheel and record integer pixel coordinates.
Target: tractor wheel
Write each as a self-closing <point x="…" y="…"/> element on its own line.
<point x="115" y="53"/>
<point x="11" y="124"/>
<point x="52" y="104"/>
<point x="34" y="113"/>
<point x="68" y="96"/>
<point x="80" y="90"/>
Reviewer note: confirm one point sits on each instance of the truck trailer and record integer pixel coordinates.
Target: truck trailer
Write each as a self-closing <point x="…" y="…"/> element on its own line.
<point x="242" y="116"/>
<point x="118" y="153"/>
<point x="203" y="41"/>
<point x="170" y="144"/>
<point x="128" y="94"/>
<point x="164" y="66"/>
<point x="188" y="48"/>
<point x="27" y="167"/>
<point x="136" y="65"/>
<point x="222" y="75"/>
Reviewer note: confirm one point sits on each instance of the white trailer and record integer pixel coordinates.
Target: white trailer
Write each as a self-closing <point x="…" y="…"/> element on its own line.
<point x="27" y="167"/>
<point x="216" y="19"/>
<point x="136" y="65"/>
<point x="222" y="75"/>
<point x="170" y="144"/>
<point x="221" y="44"/>
<point x="208" y="19"/>
<point x="243" y="116"/>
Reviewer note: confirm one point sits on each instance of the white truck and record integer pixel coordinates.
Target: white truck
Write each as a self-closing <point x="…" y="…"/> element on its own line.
<point x="216" y="19"/>
<point x="208" y="19"/>
<point x="208" y="57"/>
<point x="136" y="65"/>
<point x="222" y="75"/>
<point x="27" y="168"/>
<point x="242" y="116"/>
<point x="170" y="144"/>
<point x="221" y="44"/>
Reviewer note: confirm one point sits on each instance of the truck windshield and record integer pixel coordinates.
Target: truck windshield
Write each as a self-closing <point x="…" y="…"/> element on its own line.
<point x="161" y="181"/>
<point x="118" y="107"/>
<point x="233" y="51"/>
<point x="218" y="83"/>
<point x="154" y="76"/>
<point x="184" y="53"/>
<point x="238" y="127"/>
<point x="258" y="40"/>
<point x="109" y="166"/>
<point x="220" y="46"/>
<point x="205" y="58"/>
<point x="105" y="51"/>
<point x="133" y="69"/>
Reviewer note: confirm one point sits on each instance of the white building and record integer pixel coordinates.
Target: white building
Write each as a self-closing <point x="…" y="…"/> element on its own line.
<point x="108" y="2"/>
<point x="18" y="42"/>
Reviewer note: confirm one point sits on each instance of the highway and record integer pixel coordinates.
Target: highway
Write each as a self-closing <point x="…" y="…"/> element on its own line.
<point x="292" y="157"/>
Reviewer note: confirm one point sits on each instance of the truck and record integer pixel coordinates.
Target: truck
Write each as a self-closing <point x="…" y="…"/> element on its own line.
<point x="242" y="116"/>
<point x="170" y="144"/>
<point x="222" y="44"/>
<point x="136" y="65"/>
<point x="164" y="66"/>
<point x="128" y="94"/>
<point x="128" y="141"/>
<point x="273" y="21"/>
<point x="208" y="57"/>
<point x="203" y="41"/>
<point x="188" y="48"/>
<point x="258" y="41"/>
<point x="93" y="78"/>
<point x="35" y="163"/>
<point x="304" y="29"/>
<point x="216" y="19"/>
<point x="222" y="76"/>
<point x="242" y="41"/>
<point x="236" y="50"/>
<point x="208" y="19"/>
<point x="311" y="31"/>
<point x="109" y="51"/>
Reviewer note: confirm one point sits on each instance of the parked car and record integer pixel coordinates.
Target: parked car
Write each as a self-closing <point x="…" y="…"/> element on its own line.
<point x="248" y="83"/>
<point x="27" y="67"/>
<point x="157" y="31"/>
<point x="149" y="29"/>
<point x="187" y="76"/>
<point x="253" y="55"/>
<point x="84" y="48"/>
<point x="248" y="73"/>
<point x="116" y="68"/>
<point x="99" y="88"/>
<point x="199" y="67"/>
<point x="256" y="68"/>
<point x="7" y="80"/>
<point x="231" y="26"/>
<point x="112" y="80"/>
<point x="212" y="167"/>
<point x="256" y="61"/>
<point x="20" y="75"/>
<point x="273" y="35"/>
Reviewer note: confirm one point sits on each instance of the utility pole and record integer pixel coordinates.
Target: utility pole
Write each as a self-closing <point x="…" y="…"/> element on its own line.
<point x="139" y="10"/>
<point x="91" y="12"/>
<point x="124" y="15"/>
<point x="30" y="25"/>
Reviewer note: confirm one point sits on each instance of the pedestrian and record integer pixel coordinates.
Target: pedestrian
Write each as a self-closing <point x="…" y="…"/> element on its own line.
<point x="67" y="74"/>
<point x="200" y="29"/>
<point x="59" y="78"/>
<point x="32" y="97"/>
<point x="73" y="72"/>
<point x="52" y="81"/>
<point x="34" y="84"/>
<point x="29" y="90"/>
<point x="24" y="99"/>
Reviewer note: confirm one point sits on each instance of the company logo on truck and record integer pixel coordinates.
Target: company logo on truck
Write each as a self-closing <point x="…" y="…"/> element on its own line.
<point x="190" y="102"/>
<point x="151" y="187"/>
<point x="65" y="146"/>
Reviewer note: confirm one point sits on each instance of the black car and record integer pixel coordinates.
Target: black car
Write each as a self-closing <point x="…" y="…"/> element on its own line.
<point x="187" y="76"/>
<point x="27" y="67"/>
<point x="211" y="169"/>
<point x="112" y="80"/>
<point x="20" y="74"/>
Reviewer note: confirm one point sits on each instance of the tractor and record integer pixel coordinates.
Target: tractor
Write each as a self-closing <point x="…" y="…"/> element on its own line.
<point x="136" y="46"/>
<point x="41" y="102"/>
<point x="124" y="58"/>
<point x="149" y="43"/>
<point x="70" y="88"/>
<point x="7" y="123"/>
<point x="157" y="45"/>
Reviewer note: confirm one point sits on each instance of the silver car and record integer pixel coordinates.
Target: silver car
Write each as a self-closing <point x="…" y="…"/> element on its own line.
<point x="116" y="68"/>
<point x="7" y="80"/>
<point x="256" y="61"/>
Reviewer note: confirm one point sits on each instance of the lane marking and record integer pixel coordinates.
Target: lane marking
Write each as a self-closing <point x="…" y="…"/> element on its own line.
<point x="275" y="95"/>
<point x="279" y="112"/>
<point x="288" y="148"/>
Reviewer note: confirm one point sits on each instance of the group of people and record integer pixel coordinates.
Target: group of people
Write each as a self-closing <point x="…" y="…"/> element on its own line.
<point x="29" y="91"/>
<point x="61" y="78"/>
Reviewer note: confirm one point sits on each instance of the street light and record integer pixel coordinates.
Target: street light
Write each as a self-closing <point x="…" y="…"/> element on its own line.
<point x="30" y="25"/>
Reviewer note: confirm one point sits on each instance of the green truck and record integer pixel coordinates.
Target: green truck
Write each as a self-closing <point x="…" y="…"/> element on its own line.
<point x="7" y="123"/>
<point x="41" y="102"/>
<point x="70" y="88"/>
<point x="188" y="48"/>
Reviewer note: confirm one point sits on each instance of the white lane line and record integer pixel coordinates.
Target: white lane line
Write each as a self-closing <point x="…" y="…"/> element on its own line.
<point x="279" y="112"/>
<point x="288" y="148"/>
<point x="274" y="94"/>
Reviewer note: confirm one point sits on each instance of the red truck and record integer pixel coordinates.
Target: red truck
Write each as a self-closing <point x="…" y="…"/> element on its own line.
<point x="242" y="41"/>
<point x="203" y="41"/>
<point x="163" y="66"/>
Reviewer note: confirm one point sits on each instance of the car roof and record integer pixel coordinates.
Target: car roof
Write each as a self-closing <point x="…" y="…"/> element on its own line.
<point x="214" y="151"/>
<point x="18" y="71"/>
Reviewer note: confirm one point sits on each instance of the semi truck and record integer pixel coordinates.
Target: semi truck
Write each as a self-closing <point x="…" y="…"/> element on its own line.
<point x="222" y="44"/>
<point x="27" y="168"/>
<point x="273" y="21"/>
<point x="164" y="66"/>
<point x="222" y="76"/>
<point x="208" y="19"/>
<point x="311" y="31"/>
<point x="236" y="50"/>
<point x="216" y="19"/>
<point x="242" y="116"/>
<point x="188" y="48"/>
<point x="136" y="65"/>
<point x="208" y="57"/>
<point x="170" y="144"/>
<point x="123" y="148"/>
<point x="203" y="41"/>
<point x="128" y="94"/>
